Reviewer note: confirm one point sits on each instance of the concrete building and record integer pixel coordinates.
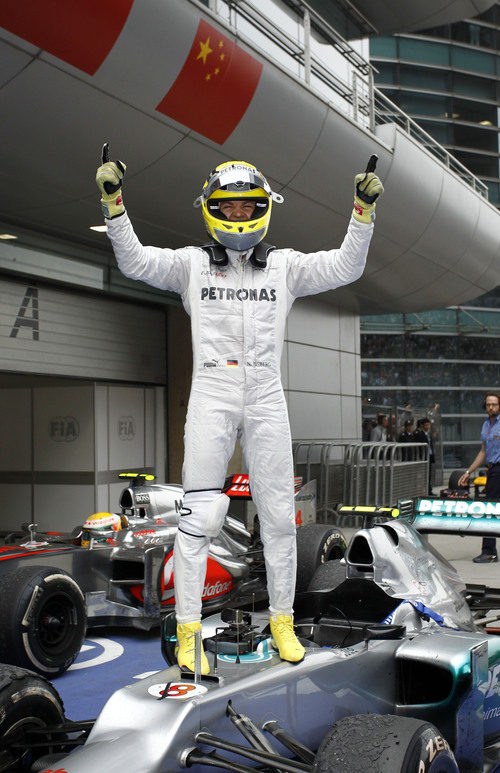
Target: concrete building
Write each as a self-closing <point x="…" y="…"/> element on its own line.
<point x="447" y="78"/>
<point x="94" y="369"/>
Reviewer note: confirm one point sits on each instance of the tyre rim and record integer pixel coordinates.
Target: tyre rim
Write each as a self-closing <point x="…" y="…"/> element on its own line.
<point x="19" y="756"/>
<point x="55" y="621"/>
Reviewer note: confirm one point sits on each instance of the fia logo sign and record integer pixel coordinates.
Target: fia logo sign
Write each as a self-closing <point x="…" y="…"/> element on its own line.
<point x="63" y="429"/>
<point x="126" y="428"/>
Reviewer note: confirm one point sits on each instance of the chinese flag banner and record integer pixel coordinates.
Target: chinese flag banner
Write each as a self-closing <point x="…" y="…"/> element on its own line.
<point x="214" y="87"/>
<point x="80" y="32"/>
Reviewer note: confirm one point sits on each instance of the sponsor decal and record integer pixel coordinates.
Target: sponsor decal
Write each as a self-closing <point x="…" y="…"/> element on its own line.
<point x="435" y="745"/>
<point x="211" y="364"/>
<point x="126" y="428"/>
<point x="144" y="532"/>
<point x="208" y="272"/>
<point x="239" y="487"/>
<point x="64" y="429"/>
<point x="142" y="499"/>
<point x="261" y="654"/>
<point x="241" y="294"/>
<point x="217" y="581"/>
<point x="32" y="322"/>
<point x="217" y="78"/>
<point x="64" y="29"/>
<point x="177" y="690"/>
<point x="54" y="770"/>
<point x="493" y="685"/>
<point x="459" y="508"/>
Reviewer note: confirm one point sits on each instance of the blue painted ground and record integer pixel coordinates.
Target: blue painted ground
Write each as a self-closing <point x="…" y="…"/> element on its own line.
<point x="110" y="658"/>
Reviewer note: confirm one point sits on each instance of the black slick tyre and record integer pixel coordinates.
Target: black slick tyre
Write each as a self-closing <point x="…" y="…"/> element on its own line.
<point x="27" y="701"/>
<point x="43" y="618"/>
<point x="454" y="478"/>
<point x="328" y="576"/>
<point x="374" y="743"/>
<point x="316" y="543"/>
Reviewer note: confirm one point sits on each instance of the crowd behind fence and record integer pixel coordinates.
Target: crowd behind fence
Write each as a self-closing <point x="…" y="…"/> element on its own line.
<point x="361" y="473"/>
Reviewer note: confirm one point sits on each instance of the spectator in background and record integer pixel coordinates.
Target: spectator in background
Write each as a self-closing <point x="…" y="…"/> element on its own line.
<point x="489" y="454"/>
<point x="379" y="433"/>
<point x="366" y="428"/>
<point x="407" y="435"/>
<point x="423" y="435"/>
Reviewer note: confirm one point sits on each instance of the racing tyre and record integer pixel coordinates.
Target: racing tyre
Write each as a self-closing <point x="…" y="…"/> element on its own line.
<point x="328" y="576"/>
<point x="374" y="743"/>
<point x="43" y="618"/>
<point x="454" y="478"/>
<point x="316" y="543"/>
<point x="27" y="701"/>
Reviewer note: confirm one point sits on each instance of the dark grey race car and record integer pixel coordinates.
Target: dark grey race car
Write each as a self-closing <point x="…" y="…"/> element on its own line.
<point x="397" y="678"/>
<point x="118" y="570"/>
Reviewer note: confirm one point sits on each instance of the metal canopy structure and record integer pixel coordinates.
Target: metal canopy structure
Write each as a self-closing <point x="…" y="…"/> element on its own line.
<point x="437" y="239"/>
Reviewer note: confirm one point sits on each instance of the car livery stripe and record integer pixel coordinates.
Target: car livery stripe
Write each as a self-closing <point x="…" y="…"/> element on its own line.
<point x="23" y="553"/>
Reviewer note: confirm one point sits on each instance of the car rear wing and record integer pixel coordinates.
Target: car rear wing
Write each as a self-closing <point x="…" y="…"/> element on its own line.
<point x="477" y="517"/>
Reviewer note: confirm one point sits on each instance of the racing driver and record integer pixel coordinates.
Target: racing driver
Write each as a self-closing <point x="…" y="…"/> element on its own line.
<point x="238" y="291"/>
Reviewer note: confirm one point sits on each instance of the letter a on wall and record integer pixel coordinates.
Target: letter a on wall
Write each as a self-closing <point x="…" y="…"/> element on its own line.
<point x="31" y="297"/>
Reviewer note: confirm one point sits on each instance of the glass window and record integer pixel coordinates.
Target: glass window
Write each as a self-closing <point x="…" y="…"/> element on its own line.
<point x="441" y="132"/>
<point x="421" y="77"/>
<point x="475" y="112"/>
<point x="386" y="73"/>
<point x="423" y="51"/>
<point x="438" y="32"/>
<point x="472" y="401"/>
<point x="432" y="374"/>
<point x="432" y="347"/>
<point x="469" y="59"/>
<point x="478" y="348"/>
<point x="385" y="47"/>
<point x="489" y="319"/>
<point x="474" y="34"/>
<point x="458" y="457"/>
<point x="425" y="104"/>
<point x="378" y="345"/>
<point x="383" y="373"/>
<point x="422" y="399"/>
<point x="486" y="166"/>
<point x="470" y="86"/>
<point x="493" y="192"/>
<point x="471" y="375"/>
<point x="475" y="137"/>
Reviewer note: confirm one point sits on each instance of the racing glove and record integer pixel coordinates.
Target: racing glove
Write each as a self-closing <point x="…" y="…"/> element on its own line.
<point x="109" y="178"/>
<point x="367" y="189"/>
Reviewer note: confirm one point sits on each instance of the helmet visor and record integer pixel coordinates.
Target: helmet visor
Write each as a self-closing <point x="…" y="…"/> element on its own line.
<point x="261" y="207"/>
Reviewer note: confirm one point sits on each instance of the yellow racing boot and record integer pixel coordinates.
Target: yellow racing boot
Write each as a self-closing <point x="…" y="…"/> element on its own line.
<point x="184" y="649"/>
<point x="284" y="639"/>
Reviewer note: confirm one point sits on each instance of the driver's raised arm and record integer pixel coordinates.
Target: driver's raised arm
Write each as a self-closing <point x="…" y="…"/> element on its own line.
<point x="316" y="272"/>
<point x="163" y="268"/>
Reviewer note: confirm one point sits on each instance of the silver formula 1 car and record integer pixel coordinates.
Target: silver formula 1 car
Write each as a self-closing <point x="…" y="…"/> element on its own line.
<point x="117" y="569"/>
<point x="397" y="677"/>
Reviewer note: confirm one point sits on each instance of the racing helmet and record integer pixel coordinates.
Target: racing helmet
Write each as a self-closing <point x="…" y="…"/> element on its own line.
<point x="99" y="528"/>
<point x="237" y="180"/>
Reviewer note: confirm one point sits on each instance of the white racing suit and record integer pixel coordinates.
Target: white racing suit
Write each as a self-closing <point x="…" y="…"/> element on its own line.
<point x="238" y="316"/>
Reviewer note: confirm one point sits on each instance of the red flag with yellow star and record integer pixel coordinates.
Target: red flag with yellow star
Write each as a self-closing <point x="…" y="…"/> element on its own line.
<point x="215" y="86"/>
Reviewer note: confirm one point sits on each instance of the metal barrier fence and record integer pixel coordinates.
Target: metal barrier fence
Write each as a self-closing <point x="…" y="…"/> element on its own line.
<point x="356" y="473"/>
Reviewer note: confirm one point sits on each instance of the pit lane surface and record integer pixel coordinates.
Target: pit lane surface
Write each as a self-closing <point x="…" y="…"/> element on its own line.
<point x="109" y="659"/>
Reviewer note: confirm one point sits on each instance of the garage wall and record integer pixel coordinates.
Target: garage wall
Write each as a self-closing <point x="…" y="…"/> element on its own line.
<point x="64" y="445"/>
<point x="50" y="330"/>
<point x="321" y="371"/>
